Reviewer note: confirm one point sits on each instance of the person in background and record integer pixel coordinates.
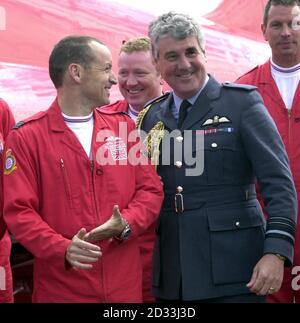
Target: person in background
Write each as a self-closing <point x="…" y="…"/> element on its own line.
<point x="211" y="244"/>
<point x="72" y="195"/>
<point x="277" y="81"/>
<point x="139" y="83"/>
<point x="7" y="121"/>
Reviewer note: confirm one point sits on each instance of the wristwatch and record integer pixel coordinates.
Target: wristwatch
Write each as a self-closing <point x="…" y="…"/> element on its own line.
<point x="124" y="235"/>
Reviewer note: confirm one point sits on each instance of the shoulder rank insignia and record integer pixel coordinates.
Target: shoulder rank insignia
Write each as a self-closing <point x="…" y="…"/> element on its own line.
<point x="215" y="121"/>
<point x="10" y="163"/>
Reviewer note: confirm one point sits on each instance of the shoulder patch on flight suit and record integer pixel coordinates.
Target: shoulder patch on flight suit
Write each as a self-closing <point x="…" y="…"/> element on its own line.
<point x="239" y="86"/>
<point x="10" y="163"/>
<point x="149" y="105"/>
<point x="32" y="118"/>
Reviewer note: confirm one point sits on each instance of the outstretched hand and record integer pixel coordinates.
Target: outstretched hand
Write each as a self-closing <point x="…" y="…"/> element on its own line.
<point x="111" y="228"/>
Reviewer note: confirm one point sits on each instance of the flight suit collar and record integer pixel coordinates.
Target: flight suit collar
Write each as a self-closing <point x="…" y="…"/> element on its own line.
<point x="58" y="125"/>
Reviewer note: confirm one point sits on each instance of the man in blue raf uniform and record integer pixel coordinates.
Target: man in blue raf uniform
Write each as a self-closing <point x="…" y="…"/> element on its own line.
<point x="212" y="242"/>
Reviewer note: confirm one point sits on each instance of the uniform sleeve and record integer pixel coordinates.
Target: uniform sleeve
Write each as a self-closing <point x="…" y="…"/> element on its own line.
<point x="267" y="154"/>
<point x="21" y="201"/>
<point x="145" y="205"/>
<point x="7" y="122"/>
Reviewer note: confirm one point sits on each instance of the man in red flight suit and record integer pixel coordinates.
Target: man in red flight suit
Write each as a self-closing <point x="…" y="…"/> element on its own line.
<point x="139" y="82"/>
<point x="73" y="196"/>
<point x="278" y="83"/>
<point x="6" y="289"/>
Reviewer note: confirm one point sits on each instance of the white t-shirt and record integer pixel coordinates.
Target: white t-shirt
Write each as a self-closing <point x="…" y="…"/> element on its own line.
<point x="132" y="113"/>
<point x="287" y="80"/>
<point x="83" y="130"/>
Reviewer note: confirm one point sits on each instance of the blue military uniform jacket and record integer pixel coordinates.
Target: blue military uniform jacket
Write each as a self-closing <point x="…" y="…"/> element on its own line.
<point x="210" y="248"/>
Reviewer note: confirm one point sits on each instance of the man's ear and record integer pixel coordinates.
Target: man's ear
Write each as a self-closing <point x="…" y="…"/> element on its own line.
<point x="75" y="72"/>
<point x="263" y="30"/>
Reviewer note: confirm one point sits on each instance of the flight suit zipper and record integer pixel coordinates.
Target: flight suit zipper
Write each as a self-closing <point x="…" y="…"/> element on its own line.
<point x="289" y="120"/>
<point x="92" y="167"/>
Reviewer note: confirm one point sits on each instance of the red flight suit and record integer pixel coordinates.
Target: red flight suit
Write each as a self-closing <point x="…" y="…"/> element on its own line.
<point x="7" y="121"/>
<point x="147" y="239"/>
<point x="288" y="124"/>
<point x="52" y="190"/>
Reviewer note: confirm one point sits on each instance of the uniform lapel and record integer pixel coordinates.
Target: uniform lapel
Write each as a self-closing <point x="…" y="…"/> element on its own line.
<point x="165" y="115"/>
<point x="204" y="103"/>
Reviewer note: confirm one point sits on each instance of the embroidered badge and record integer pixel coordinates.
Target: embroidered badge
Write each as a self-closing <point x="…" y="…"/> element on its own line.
<point x="117" y="148"/>
<point x="10" y="163"/>
<point x="215" y="121"/>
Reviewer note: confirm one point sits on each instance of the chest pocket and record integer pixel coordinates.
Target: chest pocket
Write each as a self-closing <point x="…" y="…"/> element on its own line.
<point x="219" y="151"/>
<point x="73" y="194"/>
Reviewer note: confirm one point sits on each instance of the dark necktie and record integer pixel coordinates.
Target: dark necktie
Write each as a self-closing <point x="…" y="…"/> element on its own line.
<point x="183" y="112"/>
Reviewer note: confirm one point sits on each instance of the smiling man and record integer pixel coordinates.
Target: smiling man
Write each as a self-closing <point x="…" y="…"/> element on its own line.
<point x="211" y="243"/>
<point x="278" y="82"/>
<point x="138" y="79"/>
<point x="72" y="210"/>
<point x="139" y="82"/>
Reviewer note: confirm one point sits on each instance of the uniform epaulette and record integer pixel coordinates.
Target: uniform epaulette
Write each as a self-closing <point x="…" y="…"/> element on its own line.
<point x="32" y="118"/>
<point x="244" y="87"/>
<point x="150" y="104"/>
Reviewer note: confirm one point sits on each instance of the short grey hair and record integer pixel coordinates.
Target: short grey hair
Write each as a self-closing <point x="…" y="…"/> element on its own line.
<point x="176" y="25"/>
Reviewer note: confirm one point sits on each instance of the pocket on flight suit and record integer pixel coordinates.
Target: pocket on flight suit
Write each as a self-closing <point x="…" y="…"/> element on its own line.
<point x="236" y="239"/>
<point x="73" y="196"/>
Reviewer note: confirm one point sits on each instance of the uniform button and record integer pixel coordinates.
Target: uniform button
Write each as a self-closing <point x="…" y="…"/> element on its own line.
<point x="214" y="145"/>
<point x="178" y="164"/>
<point x="179" y="139"/>
<point x="179" y="189"/>
<point x="237" y="224"/>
